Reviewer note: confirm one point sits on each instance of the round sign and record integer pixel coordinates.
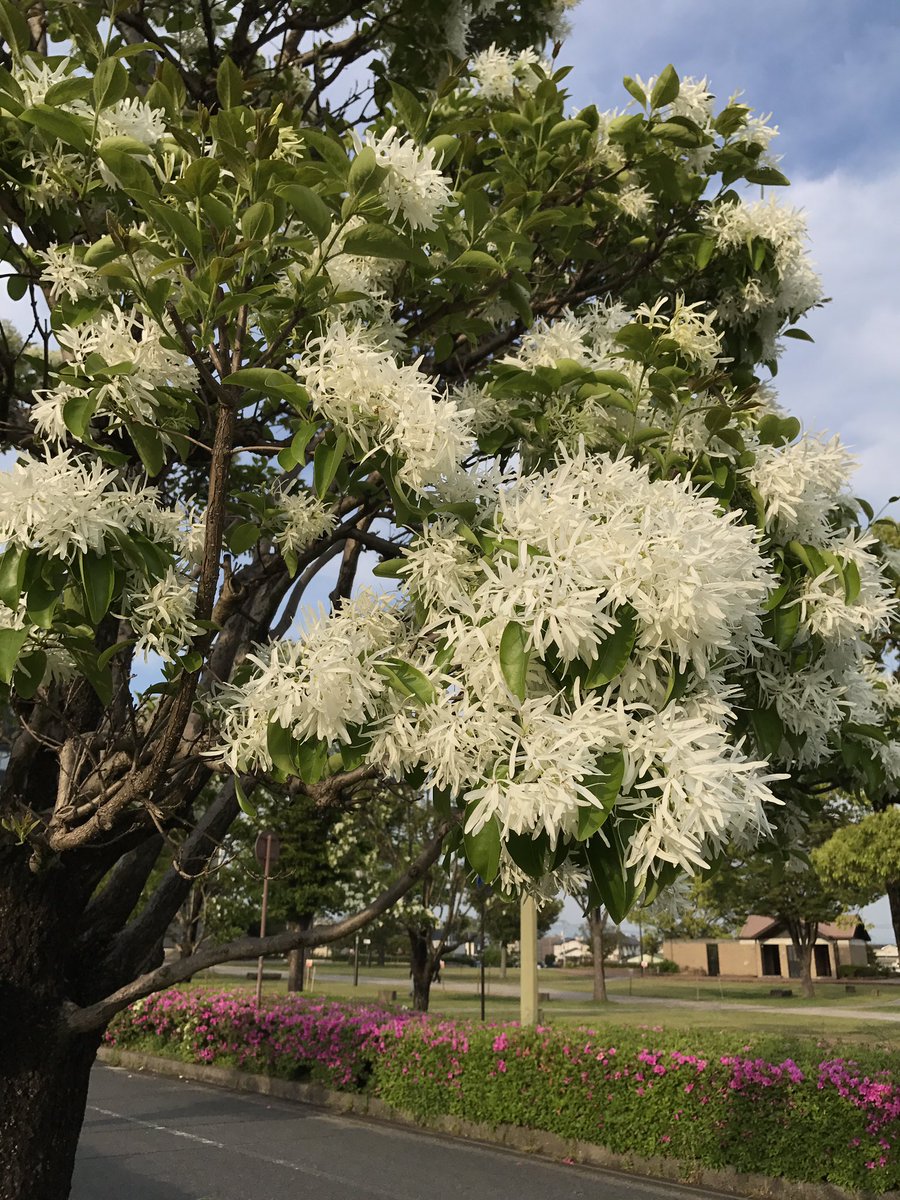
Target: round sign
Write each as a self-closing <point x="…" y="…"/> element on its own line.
<point x="260" y="848"/>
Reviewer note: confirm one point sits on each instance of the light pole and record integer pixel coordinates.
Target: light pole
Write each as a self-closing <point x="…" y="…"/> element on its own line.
<point x="528" y="978"/>
<point x="267" y="849"/>
<point x="356" y="961"/>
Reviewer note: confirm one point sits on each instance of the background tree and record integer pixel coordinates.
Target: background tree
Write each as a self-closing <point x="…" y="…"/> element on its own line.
<point x="502" y="922"/>
<point x="861" y="861"/>
<point x="304" y="318"/>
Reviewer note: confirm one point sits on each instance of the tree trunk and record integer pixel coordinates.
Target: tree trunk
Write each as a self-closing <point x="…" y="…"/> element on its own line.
<point x="597" y="923"/>
<point x="421" y="965"/>
<point x="297" y="958"/>
<point x="503" y="961"/>
<point x="803" y="938"/>
<point x="44" y="1073"/>
<point x="893" y="895"/>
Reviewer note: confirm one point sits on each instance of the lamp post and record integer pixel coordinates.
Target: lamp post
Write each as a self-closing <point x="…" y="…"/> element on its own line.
<point x="267" y="850"/>
<point x="356" y="961"/>
<point x="528" y="977"/>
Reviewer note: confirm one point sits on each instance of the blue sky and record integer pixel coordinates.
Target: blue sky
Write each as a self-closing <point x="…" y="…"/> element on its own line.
<point x="829" y="72"/>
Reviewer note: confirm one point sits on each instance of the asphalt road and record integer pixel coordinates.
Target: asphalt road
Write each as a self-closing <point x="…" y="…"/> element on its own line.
<point x="147" y="1138"/>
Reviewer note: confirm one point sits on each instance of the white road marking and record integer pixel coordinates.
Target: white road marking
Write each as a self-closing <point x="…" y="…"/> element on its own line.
<point x="366" y="1188"/>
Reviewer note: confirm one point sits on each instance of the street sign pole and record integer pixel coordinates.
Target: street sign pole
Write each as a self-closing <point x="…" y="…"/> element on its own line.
<point x="267" y="850"/>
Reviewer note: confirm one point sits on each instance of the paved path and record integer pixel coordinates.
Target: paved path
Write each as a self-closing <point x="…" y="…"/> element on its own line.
<point x="512" y="990"/>
<point x="147" y="1138"/>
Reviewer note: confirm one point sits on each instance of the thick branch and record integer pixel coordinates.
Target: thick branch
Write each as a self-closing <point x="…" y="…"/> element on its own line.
<point x="96" y="1016"/>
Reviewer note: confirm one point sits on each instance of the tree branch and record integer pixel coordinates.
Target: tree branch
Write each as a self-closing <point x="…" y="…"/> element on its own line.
<point x="77" y="1020"/>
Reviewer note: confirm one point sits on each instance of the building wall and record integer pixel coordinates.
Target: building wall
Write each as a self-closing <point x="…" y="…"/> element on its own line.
<point x="746" y="957"/>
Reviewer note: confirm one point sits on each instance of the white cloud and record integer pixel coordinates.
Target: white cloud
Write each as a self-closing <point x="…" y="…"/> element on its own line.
<point x="849" y="381"/>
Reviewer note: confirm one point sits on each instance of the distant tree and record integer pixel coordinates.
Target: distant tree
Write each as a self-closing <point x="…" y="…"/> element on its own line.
<point x="862" y="861"/>
<point x="502" y="924"/>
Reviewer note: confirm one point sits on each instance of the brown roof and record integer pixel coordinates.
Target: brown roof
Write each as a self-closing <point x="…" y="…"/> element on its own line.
<point x="760" y="928"/>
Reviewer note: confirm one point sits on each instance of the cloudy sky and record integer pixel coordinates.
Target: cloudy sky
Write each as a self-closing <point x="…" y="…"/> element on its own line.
<point x="829" y="72"/>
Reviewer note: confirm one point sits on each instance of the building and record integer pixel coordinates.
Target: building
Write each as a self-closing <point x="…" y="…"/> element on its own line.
<point x="763" y="950"/>
<point x="886" y="956"/>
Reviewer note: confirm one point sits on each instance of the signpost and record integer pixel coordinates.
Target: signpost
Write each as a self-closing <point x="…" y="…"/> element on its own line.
<point x="267" y="850"/>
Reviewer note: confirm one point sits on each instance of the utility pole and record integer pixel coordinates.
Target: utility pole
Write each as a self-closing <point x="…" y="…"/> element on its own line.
<point x="267" y="850"/>
<point x="528" y="977"/>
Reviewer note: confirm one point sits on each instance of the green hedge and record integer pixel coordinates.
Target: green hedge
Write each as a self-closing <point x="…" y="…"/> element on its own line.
<point x="764" y="1105"/>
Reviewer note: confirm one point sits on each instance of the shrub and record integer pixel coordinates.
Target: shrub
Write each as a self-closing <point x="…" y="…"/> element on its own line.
<point x="761" y="1105"/>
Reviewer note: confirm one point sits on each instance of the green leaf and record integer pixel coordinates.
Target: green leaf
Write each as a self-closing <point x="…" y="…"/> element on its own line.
<point x="14" y="27"/>
<point x="229" y="84"/>
<point x="634" y="89"/>
<point x="365" y="174"/>
<point x="704" y="252"/>
<point x="528" y="852"/>
<point x="98" y="581"/>
<point x="74" y="87"/>
<point x="60" y="125"/>
<point x="483" y="848"/>
<point x="281" y="746"/>
<point x="310" y="208"/>
<point x="605" y="788"/>
<point x="800" y="334"/>
<point x="77" y="413"/>
<point x="852" y="581"/>
<point x="29" y="673"/>
<point x="133" y="176"/>
<point x="258" y="221"/>
<point x="407" y="679"/>
<point x="312" y="759"/>
<point x="514" y="659"/>
<point x="179" y="224"/>
<point x="326" y="461"/>
<point x="768" y="729"/>
<point x="110" y="83"/>
<point x="666" y="88"/>
<point x="270" y="383"/>
<point x="409" y="109"/>
<point x="12" y="575"/>
<point x="149" y="446"/>
<point x="243" y="801"/>
<point x="11" y="642"/>
<point x="242" y="537"/>
<point x="768" y="176"/>
<point x="477" y="258"/>
<point x="378" y="241"/>
<point x="389" y="568"/>
<point x="615" y="651"/>
<point x="615" y="883"/>
<point x="784" y="623"/>
<point x="200" y="178"/>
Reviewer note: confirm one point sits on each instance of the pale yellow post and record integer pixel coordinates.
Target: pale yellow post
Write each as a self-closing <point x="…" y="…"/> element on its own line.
<point x="528" y="985"/>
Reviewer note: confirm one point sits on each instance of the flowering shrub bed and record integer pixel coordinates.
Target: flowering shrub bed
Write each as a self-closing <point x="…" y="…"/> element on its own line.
<point x="770" y="1106"/>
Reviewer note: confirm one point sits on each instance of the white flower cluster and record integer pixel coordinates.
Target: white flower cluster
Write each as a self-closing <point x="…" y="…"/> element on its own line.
<point x="802" y="484"/>
<point x="303" y="519"/>
<point x="586" y="337"/>
<point x="692" y="330"/>
<point x="356" y="382"/>
<point x="59" y="505"/>
<point x="67" y="274"/>
<point x="498" y="72"/>
<point x="315" y="687"/>
<point x="131" y="343"/>
<point x="413" y="185"/>
<point x="573" y="545"/>
<point x="162" y="616"/>
<point x="798" y="287"/>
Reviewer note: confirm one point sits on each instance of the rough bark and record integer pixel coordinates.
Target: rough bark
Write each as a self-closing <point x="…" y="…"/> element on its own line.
<point x="422" y="964"/>
<point x="597" y="923"/>
<point x="803" y="938"/>
<point x="44" y="1072"/>
<point x="297" y="958"/>
<point x="893" y="895"/>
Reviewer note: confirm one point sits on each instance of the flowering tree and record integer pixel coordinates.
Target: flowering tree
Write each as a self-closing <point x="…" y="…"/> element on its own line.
<point x="280" y="321"/>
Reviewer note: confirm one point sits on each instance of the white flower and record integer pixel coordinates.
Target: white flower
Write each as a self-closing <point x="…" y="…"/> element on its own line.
<point x="35" y="77"/>
<point x="636" y="202"/>
<point x="130" y="340"/>
<point x="162" y="617"/>
<point x="458" y="18"/>
<point x="133" y="119"/>
<point x="692" y="330"/>
<point x="357" y="383"/>
<point x="801" y="485"/>
<point x="304" y="518"/>
<point x="315" y="687"/>
<point x="58" y="505"/>
<point x="413" y="185"/>
<point x="497" y="72"/>
<point x="67" y="275"/>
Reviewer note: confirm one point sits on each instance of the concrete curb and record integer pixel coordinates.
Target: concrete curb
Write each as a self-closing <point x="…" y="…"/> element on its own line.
<point x="723" y="1181"/>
